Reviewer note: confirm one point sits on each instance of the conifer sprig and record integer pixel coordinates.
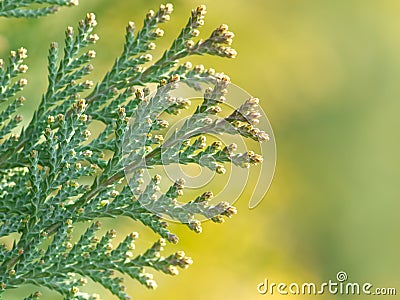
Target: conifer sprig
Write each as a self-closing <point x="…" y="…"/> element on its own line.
<point x="56" y="175"/>
<point x="32" y="8"/>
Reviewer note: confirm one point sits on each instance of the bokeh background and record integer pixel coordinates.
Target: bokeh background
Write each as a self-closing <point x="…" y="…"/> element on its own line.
<point x="328" y="74"/>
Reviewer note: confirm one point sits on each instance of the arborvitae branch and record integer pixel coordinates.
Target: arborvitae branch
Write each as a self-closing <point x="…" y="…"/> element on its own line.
<point x="32" y="8"/>
<point x="42" y="192"/>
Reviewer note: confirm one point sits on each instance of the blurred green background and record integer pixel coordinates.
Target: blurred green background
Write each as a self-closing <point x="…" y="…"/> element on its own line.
<point x="328" y="75"/>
